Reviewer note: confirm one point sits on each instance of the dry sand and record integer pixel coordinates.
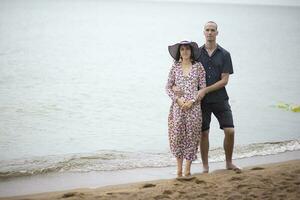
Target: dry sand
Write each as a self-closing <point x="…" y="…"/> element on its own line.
<point x="272" y="181"/>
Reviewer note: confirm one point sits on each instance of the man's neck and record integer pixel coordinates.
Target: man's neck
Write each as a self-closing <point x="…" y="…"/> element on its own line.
<point x="211" y="45"/>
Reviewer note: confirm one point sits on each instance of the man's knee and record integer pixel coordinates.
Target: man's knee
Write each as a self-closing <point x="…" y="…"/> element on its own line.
<point x="229" y="131"/>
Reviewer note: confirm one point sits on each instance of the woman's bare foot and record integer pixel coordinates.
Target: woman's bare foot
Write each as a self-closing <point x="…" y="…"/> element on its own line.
<point x="187" y="170"/>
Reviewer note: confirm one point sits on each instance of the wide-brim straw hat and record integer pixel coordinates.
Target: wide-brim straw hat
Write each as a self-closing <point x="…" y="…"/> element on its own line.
<point x="173" y="49"/>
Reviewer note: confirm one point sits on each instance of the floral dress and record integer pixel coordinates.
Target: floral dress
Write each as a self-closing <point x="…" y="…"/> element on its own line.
<point x="184" y="127"/>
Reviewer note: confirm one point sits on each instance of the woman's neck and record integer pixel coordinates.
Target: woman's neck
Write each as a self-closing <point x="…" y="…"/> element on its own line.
<point x="186" y="61"/>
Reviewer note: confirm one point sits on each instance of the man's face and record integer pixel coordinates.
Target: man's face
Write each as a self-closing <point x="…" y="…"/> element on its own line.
<point x="210" y="32"/>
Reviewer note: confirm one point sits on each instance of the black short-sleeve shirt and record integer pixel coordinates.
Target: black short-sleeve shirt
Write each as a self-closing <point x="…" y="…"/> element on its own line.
<point x="216" y="64"/>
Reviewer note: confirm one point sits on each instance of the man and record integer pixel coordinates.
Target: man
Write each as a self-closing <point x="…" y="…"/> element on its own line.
<point x="218" y="66"/>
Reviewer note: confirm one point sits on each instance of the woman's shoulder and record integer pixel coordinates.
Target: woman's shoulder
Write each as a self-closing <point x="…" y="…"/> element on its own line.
<point x="175" y="64"/>
<point x="198" y="65"/>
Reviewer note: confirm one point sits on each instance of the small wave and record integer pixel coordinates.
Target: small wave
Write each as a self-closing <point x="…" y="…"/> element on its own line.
<point x="119" y="160"/>
<point x="257" y="149"/>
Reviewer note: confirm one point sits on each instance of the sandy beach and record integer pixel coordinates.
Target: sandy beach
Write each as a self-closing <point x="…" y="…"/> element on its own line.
<point x="270" y="181"/>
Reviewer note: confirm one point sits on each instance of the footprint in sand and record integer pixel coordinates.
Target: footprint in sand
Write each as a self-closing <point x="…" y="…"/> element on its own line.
<point x="257" y="168"/>
<point x="283" y="183"/>
<point x="291" y="189"/>
<point x="297" y="171"/>
<point x="253" y="195"/>
<point x="284" y="174"/>
<point x="288" y="178"/>
<point x="124" y="193"/>
<point x="72" y="194"/>
<point x="185" y="178"/>
<point x="267" y="180"/>
<point x="297" y="183"/>
<point x="240" y="186"/>
<point x="162" y="196"/>
<point x="234" y="196"/>
<point x="237" y="178"/>
<point x="197" y="181"/>
<point x="167" y="192"/>
<point x="282" y="195"/>
<point x="148" y="185"/>
<point x="202" y="195"/>
<point x="67" y="195"/>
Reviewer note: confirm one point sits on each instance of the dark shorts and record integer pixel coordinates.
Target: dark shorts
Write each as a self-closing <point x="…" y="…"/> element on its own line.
<point x="222" y="112"/>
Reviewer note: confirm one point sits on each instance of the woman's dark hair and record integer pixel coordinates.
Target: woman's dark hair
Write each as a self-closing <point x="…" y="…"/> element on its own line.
<point x="192" y="53"/>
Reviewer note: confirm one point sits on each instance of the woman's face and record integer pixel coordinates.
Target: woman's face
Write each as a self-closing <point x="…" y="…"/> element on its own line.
<point x="185" y="51"/>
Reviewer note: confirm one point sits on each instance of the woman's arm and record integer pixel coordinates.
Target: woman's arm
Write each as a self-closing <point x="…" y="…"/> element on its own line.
<point x="202" y="78"/>
<point x="171" y="83"/>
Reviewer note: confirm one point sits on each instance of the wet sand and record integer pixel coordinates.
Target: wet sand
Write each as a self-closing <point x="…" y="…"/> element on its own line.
<point x="270" y="181"/>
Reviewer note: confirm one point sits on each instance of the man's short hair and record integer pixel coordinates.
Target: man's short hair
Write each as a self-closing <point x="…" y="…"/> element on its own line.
<point x="212" y="23"/>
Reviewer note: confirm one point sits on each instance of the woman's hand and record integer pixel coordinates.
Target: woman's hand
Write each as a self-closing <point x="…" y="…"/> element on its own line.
<point x="181" y="102"/>
<point x="187" y="105"/>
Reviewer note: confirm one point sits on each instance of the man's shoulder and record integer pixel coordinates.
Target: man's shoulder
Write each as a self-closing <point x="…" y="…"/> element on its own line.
<point x="223" y="50"/>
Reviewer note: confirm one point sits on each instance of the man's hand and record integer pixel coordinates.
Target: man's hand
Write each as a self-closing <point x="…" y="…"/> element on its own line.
<point x="187" y="105"/>
<point x="201" y="94"/>
<point x="177" y="91"/>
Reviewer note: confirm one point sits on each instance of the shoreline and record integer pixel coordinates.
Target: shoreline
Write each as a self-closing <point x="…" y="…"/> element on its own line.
<point x="28" y="187"/>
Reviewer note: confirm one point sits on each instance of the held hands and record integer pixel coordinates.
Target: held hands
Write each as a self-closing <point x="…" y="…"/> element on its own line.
<point x="183" y="104"/>
<point x="187" y="105"/>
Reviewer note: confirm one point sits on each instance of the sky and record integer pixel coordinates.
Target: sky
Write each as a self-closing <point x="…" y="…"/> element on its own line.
<point x="254" y="2"/>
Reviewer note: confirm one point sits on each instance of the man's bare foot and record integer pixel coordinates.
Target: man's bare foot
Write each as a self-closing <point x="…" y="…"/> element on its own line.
<point x="230" y="166"/>
<point x="187" y="174"/>
<point x="205" y="169"/>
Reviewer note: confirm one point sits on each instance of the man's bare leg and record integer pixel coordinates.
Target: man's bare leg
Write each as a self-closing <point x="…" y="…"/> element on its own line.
<point x="228" y="147"/>
<point x="204" y="147"/>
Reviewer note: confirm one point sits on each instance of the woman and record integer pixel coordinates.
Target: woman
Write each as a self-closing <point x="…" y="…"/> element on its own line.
<point x="185" y="119"/>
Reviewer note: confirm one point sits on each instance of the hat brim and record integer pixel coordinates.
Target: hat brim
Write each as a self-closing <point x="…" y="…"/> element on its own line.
<point x="173" y="49"/>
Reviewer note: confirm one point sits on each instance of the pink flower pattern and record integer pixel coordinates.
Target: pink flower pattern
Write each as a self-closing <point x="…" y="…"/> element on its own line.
<point x="184" y="127"/>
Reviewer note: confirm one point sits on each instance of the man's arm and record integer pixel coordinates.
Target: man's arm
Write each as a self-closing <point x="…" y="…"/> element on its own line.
<point x="218" y="85"/>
